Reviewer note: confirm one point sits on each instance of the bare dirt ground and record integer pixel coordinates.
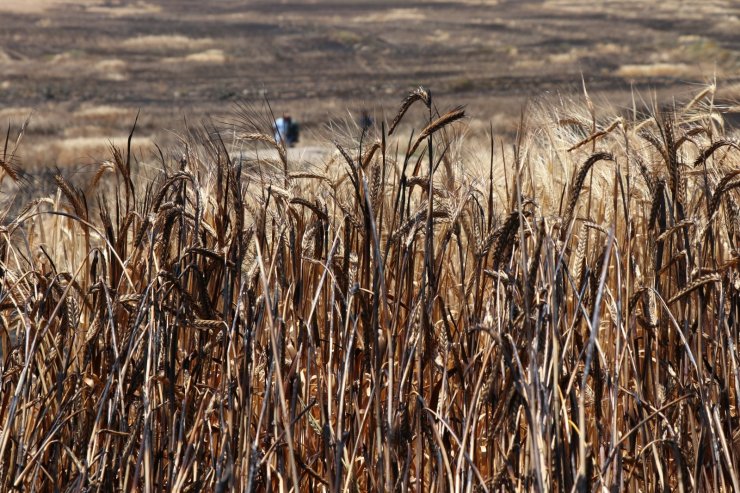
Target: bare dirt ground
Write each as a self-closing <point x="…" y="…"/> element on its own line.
<point x="85" y="67"/>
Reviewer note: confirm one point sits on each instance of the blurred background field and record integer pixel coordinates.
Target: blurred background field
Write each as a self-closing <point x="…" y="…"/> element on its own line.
<point x="82" y="68"/>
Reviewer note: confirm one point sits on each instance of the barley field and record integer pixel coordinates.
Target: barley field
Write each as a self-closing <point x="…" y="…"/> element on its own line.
<point x="536" y="291"/>
<point x="554" y="312"/>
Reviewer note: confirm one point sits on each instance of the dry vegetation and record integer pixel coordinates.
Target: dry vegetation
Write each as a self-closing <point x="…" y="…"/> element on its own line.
<point x="402" y="316"/>
<point x="178" y="58"/>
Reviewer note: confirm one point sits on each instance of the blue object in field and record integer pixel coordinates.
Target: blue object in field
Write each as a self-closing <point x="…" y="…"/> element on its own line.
<point x="286" y="130"/>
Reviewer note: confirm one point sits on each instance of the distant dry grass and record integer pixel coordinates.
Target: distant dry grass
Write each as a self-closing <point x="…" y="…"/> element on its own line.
<point x="104" y="113"/>
<point x="562" y="316"/>
<point x="655" y="70"/>
<point x="208" y="56"/>
<point x="393" y="15"/>
<point x="75" y="151"/>
<point x="125" y="9"/>
<point x="112" y="69"/>
<point x="36" y="6"/>
<point x="166" y="42"/>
